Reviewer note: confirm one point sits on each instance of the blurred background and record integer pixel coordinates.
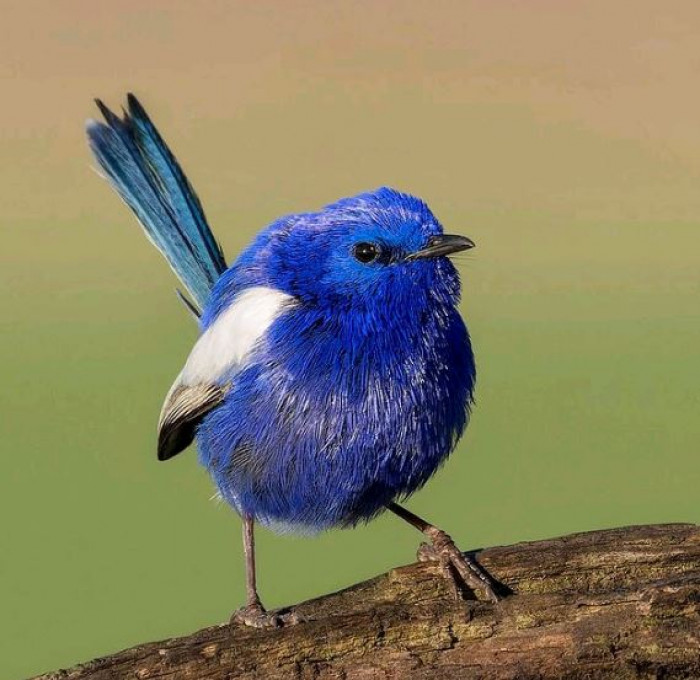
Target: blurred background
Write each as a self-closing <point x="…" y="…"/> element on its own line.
<point x="563" y="137"/>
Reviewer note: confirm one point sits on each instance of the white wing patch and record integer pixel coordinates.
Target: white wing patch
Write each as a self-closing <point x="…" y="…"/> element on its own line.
<point x="222" y="346"/>
<point x="234" y="333"/>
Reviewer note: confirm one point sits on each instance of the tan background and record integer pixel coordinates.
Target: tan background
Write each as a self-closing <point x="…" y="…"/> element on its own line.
<point x="563" y="137"/>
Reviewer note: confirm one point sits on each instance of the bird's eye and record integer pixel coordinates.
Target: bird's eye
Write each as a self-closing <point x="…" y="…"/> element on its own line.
<point x="365" y="252"/>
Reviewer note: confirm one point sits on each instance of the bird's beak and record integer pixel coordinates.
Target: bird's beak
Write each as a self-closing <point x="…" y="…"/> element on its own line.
<point x="443" y="244"/>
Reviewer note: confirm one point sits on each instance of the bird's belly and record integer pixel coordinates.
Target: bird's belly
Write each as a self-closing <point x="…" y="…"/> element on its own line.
<point x="311" y="485"/>
<point x="291" y="460"/>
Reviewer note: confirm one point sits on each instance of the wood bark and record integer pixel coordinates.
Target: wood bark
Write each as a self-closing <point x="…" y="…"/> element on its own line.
<point x="622" y="603"/>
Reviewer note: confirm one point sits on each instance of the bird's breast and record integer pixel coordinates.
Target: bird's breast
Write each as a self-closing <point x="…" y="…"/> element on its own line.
<point x="327" y="413"/>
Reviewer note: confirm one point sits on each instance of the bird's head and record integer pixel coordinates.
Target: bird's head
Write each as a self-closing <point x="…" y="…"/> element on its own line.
<point x="375" y="248"/>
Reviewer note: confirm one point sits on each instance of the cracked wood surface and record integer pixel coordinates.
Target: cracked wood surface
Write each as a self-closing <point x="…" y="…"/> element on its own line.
<point x="621" y="603"/>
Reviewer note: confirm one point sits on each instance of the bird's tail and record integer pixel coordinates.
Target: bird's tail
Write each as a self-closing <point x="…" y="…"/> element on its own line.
<point x="147" y="176"/>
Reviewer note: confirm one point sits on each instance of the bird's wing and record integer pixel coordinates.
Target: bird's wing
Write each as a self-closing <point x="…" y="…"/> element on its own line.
<point x="183" y="410"/>
<point x="219" y="353"/>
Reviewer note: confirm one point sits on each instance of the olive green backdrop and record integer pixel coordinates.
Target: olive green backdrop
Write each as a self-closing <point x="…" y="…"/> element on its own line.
<point x="563" y="137"/>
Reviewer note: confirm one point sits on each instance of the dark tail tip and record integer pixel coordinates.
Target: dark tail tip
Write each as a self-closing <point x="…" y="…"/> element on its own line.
<point x="110" y="117"/>
<point x="135" y="107"/>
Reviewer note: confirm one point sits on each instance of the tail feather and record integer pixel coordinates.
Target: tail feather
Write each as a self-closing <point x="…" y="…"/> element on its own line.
<point x="147" y="176"/>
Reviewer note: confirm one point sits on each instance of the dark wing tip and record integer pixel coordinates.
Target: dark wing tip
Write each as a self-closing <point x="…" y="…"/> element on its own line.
<point x="173" y="439"/>
<point x="183" y="411"/>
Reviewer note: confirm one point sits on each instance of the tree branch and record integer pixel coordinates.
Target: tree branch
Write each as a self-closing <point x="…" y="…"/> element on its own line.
<point x="621" y="603"/>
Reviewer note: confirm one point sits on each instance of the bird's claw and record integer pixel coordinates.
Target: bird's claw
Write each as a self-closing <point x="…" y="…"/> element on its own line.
<point x="458" y="568"/>
<point x="256" y="616"/>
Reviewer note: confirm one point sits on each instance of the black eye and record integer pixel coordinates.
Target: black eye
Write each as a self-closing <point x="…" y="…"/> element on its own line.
<point x="365" y="252"/>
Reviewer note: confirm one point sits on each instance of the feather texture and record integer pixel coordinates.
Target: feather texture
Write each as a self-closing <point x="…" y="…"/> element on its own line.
<point x="210" y="369"/>
<point x="184" y="408"/>
<point x="358" y="392"/>
<point x="324" y="384"/>
<point x="147" y="176"/>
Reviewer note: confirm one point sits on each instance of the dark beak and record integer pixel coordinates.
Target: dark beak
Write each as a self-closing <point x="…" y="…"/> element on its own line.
<point x="443" y="244"/>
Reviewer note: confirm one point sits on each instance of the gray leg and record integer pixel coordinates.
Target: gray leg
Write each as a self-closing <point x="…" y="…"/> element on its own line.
<point x="455" y="564"/>
<point x="254" y="614"/>
<point x="252" y="598"/>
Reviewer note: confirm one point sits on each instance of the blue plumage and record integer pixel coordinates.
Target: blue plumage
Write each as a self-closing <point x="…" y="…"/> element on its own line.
<point x="333" y="374"/>
<point x="149" y="179"/>
<point x="357" y="394"/>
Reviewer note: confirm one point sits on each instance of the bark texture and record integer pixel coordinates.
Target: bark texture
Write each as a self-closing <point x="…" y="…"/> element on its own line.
<point x="622" y="603"/>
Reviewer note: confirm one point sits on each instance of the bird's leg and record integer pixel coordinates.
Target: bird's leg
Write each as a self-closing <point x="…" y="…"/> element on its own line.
<point x="254" y="614"/>
<point x="251" y="588"/>
<point x="459" y="568"/>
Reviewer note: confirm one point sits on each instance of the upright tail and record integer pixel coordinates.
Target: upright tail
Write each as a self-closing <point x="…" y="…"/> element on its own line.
<point x="147" y="176"/>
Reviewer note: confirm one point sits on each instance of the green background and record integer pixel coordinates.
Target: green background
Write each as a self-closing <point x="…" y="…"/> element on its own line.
<point x="563" y="137"/>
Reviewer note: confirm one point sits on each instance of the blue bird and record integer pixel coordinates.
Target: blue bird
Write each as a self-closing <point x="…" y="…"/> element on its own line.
<point x="333" y="373"/>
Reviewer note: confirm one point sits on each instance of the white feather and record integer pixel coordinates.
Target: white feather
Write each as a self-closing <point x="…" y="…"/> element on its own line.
<point x="235" y="332"/>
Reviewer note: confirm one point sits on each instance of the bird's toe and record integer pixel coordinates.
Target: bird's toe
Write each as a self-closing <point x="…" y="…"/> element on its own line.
<point x="256" y="616"/>
<point x="463" y="572"/>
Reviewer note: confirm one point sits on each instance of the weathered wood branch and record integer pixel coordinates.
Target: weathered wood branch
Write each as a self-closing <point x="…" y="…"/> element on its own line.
<point x="621" y="603"/>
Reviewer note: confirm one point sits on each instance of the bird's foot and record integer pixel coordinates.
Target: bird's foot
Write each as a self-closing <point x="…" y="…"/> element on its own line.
<point x="458" y="568"/>
<point x="256" y="616"/>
